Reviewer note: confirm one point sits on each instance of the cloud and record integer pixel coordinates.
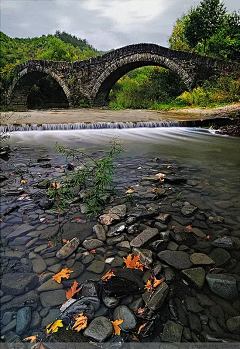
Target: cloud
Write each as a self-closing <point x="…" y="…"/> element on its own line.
<point x="126" y="14"/>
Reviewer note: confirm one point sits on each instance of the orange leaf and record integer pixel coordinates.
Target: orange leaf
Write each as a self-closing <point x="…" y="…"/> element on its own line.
<point x="92" y="251"/>
<point x="81" y="322"/>
<point x="23" y="195"/>
<point x="134" y="338"/>
<point x="64" y="273"/>
<point x="129" y="191"/>
<point x="201" y="119"/>
<point x="31" y="338"/>
<point x="152" y="283"/>
<point x="50" y="243"/>
<point x="108" y="275"/>
<point x="141" y="310"/>
<point x="116" y="327"/>
<point x="133" y="263"/>
<point x="207" y="237"/>
<point x="189" y="227"/>
<point x="73" y="290"/>
<point x="64" y="240"/>
<point x="141" y="327"/>
<point x="40" y="275"/>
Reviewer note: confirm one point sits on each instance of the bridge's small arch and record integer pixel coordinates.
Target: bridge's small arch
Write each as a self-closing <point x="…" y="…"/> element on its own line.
<point x="27" y="77"/>
<point x="117" y="69"/>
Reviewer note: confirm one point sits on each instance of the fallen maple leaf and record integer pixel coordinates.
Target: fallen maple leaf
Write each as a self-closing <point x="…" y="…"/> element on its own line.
<point x="152" y="283"/>
<point x="81" y="322"/>
<point x="54" y="326"/>
<point x="56" y="185"/>
<point x="133" y="263"/>
<point x="141" y="310"/>
<point x="108" y="275"/>
<point x="92" y="251"/>
<point x="129" y="191"/>
<point x="189" y="227"/>
<point x="40" y="275"/>
<point x="141" y="327"/>
<point x="23" y="195"/>
<point x="31" y="338"/>
<point x="73" y="290"/>
<point x="116" y="327"/>
<point x="64" y="240"/>
<point x="50" y="243"/>
<point x="134" y="338"/>
<point x="38" y="346"/>
<point x="64" y="273"/>
<point x="207" y="237"/>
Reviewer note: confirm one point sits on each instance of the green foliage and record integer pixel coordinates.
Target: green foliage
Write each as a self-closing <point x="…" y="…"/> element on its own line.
<point x="208" y="29"/>
<point x="94" y="175"/>
<point x="144" y="88"/>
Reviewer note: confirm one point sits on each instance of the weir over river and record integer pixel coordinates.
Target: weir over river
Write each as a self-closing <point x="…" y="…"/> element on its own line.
<point x="176" y="205"/>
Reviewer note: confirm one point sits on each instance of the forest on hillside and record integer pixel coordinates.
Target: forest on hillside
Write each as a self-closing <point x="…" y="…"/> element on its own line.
<point x="207" y="29"/>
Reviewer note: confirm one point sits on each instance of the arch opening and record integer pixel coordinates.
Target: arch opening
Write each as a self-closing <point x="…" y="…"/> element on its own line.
<point x="37" y="89"/>
<point x="118" y="69"/>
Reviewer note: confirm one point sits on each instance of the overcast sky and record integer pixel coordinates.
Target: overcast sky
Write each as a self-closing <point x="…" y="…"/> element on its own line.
<point x="105" y="24"/>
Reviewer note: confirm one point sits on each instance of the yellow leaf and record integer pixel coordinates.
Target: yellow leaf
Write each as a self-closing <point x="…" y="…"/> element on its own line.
<point x="64" y="273"/>
<point x="73" y="290"/>
<point x="54" y="326"/>
<point x="129" y="191"/>
<point x="116" y="327"/>
<point x="81" y="322"/>
<point x="31" y="338"/>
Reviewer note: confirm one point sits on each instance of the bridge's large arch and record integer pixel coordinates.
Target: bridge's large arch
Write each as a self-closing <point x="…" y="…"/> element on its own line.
<point x="20" y="89"/>
<point x="117" y="69"/>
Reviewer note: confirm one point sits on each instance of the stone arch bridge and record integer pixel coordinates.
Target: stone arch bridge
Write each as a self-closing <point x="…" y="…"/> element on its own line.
<point x="91" y="80"/>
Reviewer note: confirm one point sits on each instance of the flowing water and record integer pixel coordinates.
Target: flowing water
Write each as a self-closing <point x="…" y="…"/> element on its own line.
<point x="211" y="160"/>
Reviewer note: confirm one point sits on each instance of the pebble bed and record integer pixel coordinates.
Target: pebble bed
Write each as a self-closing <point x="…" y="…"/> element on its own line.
<point x="185" y="232"/>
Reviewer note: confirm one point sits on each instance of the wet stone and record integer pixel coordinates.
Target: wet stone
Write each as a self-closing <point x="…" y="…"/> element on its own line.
<point x="172" y="246"/>
<point x="100" y="329"/>
<point x="35" y="321"/>
<point x="198" y="233"/>
<point x="194" y="322"/>
<point x="201" y="259"/>
<point x="19" y="241"/>
<point x="116" y="239"/>
<point x="52" y="298"/>
<point x="23" y="282"/>
<point x="116" y="229"/>
<point x="156" y="299"/>
<point x="78" y="269"/>
<point x="193" y="305"/>
<point x="224" y="242"/>
<point x="124" y="246"/>
<point x="21" y="230"/>
<point x="110" y="302"/>
<point x="24" y="316"/>
<point x="55" y="268"/>
<point x="96" y="267"/>
<point x="50" y="285"/>
<point x="223" y="285"/>
<point x="91" y="244"/>
<point x="188" y="210"/>
<point x="9" y="327"/>
<point x="145" y="237"/>
<point x="68" y="249"/>
<point x="100" y="232"/>
<point x="177" y="259"/>
<point x="129" y="319"/>
<point x="119" y="210"/>
<point x="39" y="264"/>
<point x="195" y="276"/>
<point x="117" y="262"/>
<point x="108" y="219"/>
<point x="87" y="259"/>
<point x="7" y="318"/>
<point x="219" y="256"/>
<point x="50" y="317"/>
<point x="172" y="332"/>
<point x="233" y="324"/>
<point x="145" y="255"/>
<point x="163" y="218"/>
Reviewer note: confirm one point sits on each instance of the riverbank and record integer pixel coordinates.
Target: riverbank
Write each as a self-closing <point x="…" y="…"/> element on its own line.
<point x="94" y="115"/>
<point x="180" y="219"/>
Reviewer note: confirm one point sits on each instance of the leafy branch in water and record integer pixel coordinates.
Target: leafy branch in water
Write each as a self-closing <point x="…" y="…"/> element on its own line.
<point x="94" y="175"/>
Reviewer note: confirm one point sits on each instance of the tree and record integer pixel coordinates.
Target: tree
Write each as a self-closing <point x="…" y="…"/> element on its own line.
<point x="178" y="40"/>
<point x="203" y="22"/>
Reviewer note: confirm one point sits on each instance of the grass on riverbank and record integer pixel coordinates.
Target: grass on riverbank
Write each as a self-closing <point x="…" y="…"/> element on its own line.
<point x="213" y="93"/>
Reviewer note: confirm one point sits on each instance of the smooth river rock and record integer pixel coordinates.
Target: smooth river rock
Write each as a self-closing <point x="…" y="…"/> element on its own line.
<point x="24" y="316"/>
<point x="145" y="237"/>
<point x="195" y="276"/>
<point x="223" y="285"/>
<point x="68" y="248"/>
<point x="99" y="329"/>
<point x="23" y="282"/>
<point x="129" y="319"/>
<point x="177" y="259"/>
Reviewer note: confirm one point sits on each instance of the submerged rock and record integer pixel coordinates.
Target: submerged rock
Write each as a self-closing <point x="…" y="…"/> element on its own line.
<point x="108" y="219"/>
<point x="177" y="259"/>
<point x="68" y="248"/>
<point x="154" y="300"/>
<point x="195" y="276"/>
<point x="99" y="330"/>
<point x="129" y="319"/>
<point x="145" y="237"/>
<point x="172" y="332"/>
<point x="18" y="283"/>
<point x="24" y="316"/>
<point x="223" y="285"/>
